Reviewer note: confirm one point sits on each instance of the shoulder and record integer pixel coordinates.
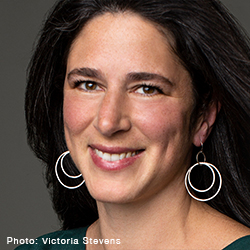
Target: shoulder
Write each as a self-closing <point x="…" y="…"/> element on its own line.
<point x="218" y="231"/>
<point x="242" y="243"/>
<point x="231" y="233"/>
<point x="67" y="239"/>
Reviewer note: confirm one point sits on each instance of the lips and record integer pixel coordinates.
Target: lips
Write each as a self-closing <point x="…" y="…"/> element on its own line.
<point x="114" y="158"/>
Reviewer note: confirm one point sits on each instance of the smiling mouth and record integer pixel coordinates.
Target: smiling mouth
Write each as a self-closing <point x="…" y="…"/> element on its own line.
<point x="116" y="157"/>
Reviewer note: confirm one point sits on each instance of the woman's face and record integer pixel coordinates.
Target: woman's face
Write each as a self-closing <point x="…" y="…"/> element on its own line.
<point x="127" y="107"/>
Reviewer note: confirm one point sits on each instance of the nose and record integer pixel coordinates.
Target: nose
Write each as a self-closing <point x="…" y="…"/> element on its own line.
<point x="113" y="114"/>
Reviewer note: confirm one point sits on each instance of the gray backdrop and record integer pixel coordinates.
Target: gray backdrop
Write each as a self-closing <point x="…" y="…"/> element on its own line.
<point x="25" y="208"/>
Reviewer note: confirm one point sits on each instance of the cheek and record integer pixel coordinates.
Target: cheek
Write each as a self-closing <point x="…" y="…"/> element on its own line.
<point x="76" y="114"/>
<point x="161" y="121"/>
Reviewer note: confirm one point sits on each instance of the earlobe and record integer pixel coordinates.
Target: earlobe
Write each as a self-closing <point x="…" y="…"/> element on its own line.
<point x="204" y="127"/>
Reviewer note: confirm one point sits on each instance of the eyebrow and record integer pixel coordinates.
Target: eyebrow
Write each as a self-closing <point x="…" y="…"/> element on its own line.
<point x="88" y="72"/>
<point x="145" y="76"/>
<point x="131" y="77"/>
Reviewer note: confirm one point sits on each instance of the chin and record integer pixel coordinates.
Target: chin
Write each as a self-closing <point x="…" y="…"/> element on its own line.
<point x="111" y="193"/>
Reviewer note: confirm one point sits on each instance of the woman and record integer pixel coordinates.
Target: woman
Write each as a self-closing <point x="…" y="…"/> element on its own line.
<point x="127" y="93"/>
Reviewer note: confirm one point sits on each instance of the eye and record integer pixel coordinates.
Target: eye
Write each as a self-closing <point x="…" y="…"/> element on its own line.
<point x="87" y="85"/>
<point x="148" y="90"/>
<point x="90" y="85"/>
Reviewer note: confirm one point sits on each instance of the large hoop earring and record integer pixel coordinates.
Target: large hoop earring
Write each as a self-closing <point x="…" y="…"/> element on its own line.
<point x="60" y="158"/>
<point x="212" y="168"/>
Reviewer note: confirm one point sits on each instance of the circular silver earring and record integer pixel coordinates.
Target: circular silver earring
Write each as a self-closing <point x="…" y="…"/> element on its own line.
<point x="60" y="158"/>
<point x="212" y="168"/>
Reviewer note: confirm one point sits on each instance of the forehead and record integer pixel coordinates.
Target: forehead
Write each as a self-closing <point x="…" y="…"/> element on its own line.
<point x="125" y="42"/>
<point x="114" y="20"/>
<point x="120" y="28"/>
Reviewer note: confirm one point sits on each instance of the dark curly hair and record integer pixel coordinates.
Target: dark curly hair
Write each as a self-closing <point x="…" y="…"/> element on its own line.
<point x="211" y="46"/>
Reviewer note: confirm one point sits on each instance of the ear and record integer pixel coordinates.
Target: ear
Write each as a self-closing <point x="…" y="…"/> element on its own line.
<point x="204" y="127"/>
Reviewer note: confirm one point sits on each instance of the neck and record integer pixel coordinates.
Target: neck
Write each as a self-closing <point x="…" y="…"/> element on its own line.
<point x="134" y="224"/>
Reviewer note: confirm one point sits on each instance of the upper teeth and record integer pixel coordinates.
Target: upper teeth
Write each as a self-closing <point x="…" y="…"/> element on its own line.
<point x="114" y="157"/>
